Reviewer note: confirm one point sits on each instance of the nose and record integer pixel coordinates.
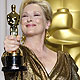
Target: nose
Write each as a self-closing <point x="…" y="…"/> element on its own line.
<point x="29" y="19"/>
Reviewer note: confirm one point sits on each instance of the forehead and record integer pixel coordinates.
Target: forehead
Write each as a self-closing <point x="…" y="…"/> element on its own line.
<point x="33" y="7"/>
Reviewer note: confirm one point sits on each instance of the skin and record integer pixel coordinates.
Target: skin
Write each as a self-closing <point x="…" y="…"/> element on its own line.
<point x="34" y="24"/>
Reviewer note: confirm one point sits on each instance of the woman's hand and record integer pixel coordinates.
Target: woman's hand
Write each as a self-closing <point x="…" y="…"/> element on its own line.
<point x="11" y="43"/>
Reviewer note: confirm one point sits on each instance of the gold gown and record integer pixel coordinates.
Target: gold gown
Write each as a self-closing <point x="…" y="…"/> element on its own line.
<point x="64" y="69"/>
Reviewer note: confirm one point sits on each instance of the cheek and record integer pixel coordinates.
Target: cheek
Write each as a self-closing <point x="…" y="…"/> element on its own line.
<point x="23" y="21"/>
<point x="23" y="27"/>
<point x="38" y="21"/>
<point x="41" y="23"/>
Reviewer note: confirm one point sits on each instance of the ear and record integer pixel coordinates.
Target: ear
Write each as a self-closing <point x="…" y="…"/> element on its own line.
<point x="48" y="24"/>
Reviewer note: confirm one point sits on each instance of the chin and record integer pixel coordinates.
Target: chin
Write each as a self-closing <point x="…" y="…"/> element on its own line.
<point x="33" y="33"/>
<point x="30" y="34"/>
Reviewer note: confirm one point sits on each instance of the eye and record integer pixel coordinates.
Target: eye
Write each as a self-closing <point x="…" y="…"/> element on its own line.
<point x="24" y="16"/>
<point x="36" y="14"/>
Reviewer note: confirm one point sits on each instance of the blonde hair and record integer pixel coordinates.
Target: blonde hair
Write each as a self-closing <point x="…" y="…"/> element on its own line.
<point x="42" y="3"/>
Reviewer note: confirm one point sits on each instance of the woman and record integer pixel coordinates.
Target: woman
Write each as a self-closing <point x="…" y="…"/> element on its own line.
<point x="41" y="62"/>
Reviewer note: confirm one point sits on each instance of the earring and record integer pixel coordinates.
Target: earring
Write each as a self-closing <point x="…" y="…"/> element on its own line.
<point x="23" y="38"/>
<point x="47" y="34"/>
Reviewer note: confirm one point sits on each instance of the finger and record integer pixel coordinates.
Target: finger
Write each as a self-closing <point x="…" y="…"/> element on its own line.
<point x="11" y="37"/>
<point x="15" y="48"/>
<point x="18" y="38"/>
<point x="16" y="43"/>
<point x="11" y="48"/>
<point x="11" y="42"/>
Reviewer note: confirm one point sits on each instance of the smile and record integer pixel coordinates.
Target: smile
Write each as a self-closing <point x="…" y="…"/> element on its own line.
<point x="30" y="25"/>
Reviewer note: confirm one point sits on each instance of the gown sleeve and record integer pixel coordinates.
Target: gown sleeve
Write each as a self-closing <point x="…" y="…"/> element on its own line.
<point x="75" y="75"/>
<point x="74" y="68"/>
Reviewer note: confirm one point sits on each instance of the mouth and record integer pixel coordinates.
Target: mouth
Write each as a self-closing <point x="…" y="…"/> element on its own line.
<point x="30" y="25"/>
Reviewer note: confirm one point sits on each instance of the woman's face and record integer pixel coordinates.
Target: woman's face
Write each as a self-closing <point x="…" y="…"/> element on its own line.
<point x="33" y="20"/>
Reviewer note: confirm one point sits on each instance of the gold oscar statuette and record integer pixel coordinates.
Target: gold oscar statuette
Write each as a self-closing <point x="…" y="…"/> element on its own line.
<point x="14" y="60"/>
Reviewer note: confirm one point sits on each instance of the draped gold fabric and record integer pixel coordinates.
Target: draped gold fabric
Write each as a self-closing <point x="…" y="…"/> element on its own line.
<point x="64" y="69"/>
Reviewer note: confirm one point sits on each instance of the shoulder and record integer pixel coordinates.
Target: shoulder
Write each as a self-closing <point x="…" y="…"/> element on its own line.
<point x="71" y="63"/>
<point x="67" y="56"/>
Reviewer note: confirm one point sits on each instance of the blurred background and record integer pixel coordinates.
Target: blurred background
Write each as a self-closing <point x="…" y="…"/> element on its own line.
<point x="64" y="33"/>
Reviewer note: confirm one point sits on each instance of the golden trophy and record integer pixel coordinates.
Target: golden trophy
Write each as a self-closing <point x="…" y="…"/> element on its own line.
<point x="13" y="60"/>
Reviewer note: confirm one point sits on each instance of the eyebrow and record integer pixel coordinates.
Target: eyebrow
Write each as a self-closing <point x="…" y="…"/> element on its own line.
<point x="34" y="12"/>
<point x="24" y="12"/>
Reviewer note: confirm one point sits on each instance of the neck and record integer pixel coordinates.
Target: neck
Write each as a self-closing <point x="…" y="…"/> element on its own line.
<point x="35" y="42"/>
